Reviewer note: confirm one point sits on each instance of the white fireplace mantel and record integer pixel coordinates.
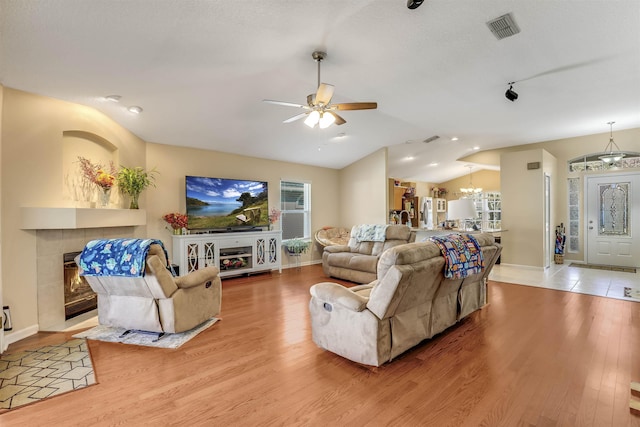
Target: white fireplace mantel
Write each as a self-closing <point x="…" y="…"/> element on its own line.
<point x="74" y="218"/>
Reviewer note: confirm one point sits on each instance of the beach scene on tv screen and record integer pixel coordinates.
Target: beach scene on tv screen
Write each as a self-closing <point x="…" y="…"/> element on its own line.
<point x="214" y="203"/>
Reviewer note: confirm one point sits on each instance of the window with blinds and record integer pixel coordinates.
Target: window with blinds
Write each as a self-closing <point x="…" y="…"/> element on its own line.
<point x="295" y="204"/>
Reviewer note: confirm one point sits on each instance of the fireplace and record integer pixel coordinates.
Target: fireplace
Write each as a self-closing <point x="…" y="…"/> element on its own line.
<point x="78" y="295"/>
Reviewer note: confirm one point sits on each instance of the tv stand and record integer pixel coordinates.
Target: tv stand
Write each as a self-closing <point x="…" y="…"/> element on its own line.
<point x="233" y="253"/>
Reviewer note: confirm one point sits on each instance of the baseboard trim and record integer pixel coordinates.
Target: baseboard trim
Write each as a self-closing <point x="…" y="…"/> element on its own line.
<point x="302" y="264"/>
<point x="527" y="267"/>
<point x="18" y="335"/>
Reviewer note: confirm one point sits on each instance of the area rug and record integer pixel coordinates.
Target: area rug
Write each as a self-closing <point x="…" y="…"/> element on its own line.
<point x="604" y="267"/>
<point x="632" y="293"/>
<point x="32" y="375"/>
<point x="112" y="334"/>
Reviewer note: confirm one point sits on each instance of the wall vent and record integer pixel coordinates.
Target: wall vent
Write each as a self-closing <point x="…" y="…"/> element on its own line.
<point x="503" y="26"/>
<point x="431" y="139"/>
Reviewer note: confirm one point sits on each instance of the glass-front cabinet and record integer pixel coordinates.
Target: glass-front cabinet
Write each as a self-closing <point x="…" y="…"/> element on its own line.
<point x="232" y="253"/>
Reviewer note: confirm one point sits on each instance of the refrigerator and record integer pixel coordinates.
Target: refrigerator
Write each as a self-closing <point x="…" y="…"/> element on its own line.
<point x="426" y="211"/>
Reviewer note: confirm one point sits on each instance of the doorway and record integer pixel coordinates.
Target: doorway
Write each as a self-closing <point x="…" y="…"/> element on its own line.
<point x="610" y="219"/>
<point x="547" y="221"/>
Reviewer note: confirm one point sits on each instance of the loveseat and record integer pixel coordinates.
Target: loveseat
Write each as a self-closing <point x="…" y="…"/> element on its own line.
<point x="357" y="261"/>
<point x="136" y="291"/>
<point x="410" y="301"/>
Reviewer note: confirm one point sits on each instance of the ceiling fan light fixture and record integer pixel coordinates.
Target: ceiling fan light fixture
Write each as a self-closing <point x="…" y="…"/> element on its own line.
<point x="312" y="119"/>
<point x="319" y="110"/>
<point x="326" y="120"/>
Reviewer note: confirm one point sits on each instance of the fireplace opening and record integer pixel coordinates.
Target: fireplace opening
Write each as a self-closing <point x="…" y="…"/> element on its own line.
<point x="78" y="295"/>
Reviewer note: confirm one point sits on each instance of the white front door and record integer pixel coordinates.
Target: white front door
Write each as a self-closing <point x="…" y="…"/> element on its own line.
<point x="612" y="206"/>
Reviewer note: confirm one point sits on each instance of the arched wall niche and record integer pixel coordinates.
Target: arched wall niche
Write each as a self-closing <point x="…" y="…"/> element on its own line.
<point x="78" y="143"/>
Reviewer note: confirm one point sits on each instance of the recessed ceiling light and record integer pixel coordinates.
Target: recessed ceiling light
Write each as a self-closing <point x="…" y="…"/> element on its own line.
<point x="341" y="135"/>
<point x="476" y="148"/>
<point x="135" y="109"/>
<point x="113" y="98"/>
<point x="455" y="138"/>
<point x="433" y="164"/>
<point x="409" y="157"/>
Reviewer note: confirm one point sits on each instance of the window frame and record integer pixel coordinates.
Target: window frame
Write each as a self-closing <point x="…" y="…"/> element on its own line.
<point x="285" y="209"/>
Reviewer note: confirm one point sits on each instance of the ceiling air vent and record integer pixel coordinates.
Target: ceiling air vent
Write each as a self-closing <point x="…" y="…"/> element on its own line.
<point x="431" y="139"/>
<point x="503" y="26"/>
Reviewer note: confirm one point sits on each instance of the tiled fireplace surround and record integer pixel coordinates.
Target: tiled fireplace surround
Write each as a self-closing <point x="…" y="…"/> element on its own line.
<point x="50" y="247"/>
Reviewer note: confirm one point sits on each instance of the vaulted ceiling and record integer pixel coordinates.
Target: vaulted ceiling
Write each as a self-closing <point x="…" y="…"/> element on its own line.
<point x="200" y="70"/>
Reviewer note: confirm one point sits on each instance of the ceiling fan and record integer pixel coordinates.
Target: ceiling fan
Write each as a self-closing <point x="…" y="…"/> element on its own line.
<point x="319" y="110"/>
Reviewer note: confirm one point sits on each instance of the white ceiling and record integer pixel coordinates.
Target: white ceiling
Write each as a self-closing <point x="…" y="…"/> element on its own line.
<point x="200" y="70"/>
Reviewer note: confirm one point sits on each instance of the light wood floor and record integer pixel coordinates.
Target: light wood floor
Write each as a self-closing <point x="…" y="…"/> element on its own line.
<point x="532" y="357"/>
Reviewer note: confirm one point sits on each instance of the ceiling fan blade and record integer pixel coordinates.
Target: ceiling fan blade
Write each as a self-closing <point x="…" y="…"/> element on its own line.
<point x="355" y="106"/>
<point x="339" y="120"/>
<point x="294" y="118"/>
<point x="286" y="104"/>
<point x="324" y="94"/>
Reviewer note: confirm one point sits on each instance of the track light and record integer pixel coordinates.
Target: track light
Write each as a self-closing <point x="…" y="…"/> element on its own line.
<point x="413" y="4"/>
<point x="510" y="94"/>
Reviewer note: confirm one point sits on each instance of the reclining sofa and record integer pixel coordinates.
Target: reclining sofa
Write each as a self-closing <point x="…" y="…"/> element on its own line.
<point x="358" y="260"/>
<point x="408" y="302"/>
<point x="136" y="291"/>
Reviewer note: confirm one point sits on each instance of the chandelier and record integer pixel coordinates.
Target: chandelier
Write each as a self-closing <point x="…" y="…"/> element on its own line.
<point x="471" y="189"/>
<point x="609" y="155"/>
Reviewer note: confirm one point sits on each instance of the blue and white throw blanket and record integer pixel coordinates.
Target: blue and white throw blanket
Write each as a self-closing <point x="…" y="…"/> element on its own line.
<point x="462" y="255"/>
<point x="370" y="233"/>
<point x="116" y="257"/>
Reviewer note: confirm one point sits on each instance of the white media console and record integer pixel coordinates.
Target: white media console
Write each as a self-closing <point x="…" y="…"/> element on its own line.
<point x="233" y="253"/>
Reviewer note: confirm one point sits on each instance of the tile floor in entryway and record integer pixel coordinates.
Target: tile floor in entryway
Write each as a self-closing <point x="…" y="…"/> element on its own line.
<point x="563" y="277"/>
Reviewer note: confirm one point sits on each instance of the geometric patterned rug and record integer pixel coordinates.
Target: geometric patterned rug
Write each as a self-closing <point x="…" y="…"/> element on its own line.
<point x="31" y="375"/>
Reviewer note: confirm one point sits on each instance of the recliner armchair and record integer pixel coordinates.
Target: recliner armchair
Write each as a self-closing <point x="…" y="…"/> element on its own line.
<point x="153" y="300"/>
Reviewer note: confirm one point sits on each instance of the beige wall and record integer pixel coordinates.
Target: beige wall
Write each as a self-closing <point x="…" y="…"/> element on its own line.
<point x="32" y="174"/>
<point x="523" y="207"/>
<point x="2" y="345"/>
<point x="174" y="163"/>
<point x="363" y="192"/>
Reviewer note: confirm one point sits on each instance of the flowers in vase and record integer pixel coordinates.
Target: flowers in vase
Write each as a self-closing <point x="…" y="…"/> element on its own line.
<point x="98" y="174"/>
<point x="439" y="191"/>
<point x="176" y="220"/>
<point x="274" y="215"/>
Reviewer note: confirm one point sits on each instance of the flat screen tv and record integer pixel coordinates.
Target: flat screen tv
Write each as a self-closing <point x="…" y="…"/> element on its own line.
<point x="219" y="204"/>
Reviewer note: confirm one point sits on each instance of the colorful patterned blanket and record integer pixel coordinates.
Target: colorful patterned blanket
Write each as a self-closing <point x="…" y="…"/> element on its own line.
<point x="116" y="257"/>
<point x="370" y="233"/>
<point x="462" y="255"/>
